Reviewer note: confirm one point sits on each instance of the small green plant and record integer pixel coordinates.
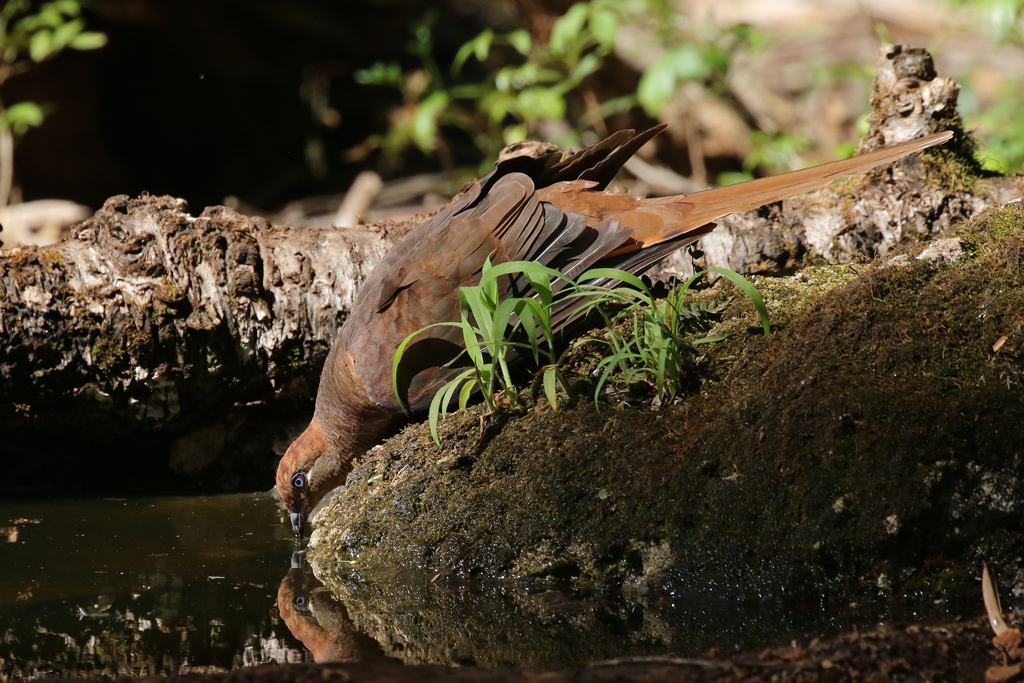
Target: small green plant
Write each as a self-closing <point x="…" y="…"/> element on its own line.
<point x="995" y="118"/>
<point x="28" y="38"/>
<point x="506" y="106"/>
<point x="523" y="83"/>
<point x="655" y="344"/>
<point x="491" y="329"/>
<point x="778" y="151"/>
<point x="705" y="57"/>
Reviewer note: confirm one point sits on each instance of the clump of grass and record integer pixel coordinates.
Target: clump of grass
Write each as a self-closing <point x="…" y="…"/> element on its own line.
<point x="654" y="346"/>
<point x="491" y="329"/>
<point x="657" y="342"/>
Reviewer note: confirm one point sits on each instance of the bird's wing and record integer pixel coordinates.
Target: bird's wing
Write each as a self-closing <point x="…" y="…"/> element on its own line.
<point x="417" y="284"/>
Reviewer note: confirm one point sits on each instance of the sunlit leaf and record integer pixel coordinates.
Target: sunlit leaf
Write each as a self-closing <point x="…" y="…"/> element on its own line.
<point x="586" y="66"/>
<point x="466" y="393"/>
<point x="400" y="352"/>
<point x="521" y="41"/>
<point x="39" y="46"/>
<point x="604" y="25"/>
<point x="22" y="116"/>
<point x="70" y="8"/>
<point x="439" y="403"/>
<point x="658" y="84"/>
<point x="64" y="33"/>
<point x="88" y="40"/>
<point x="424" y="127"/>
<point x="541" y="103"/>
<point x="550" y="379"/>
<point x="750" y="291"/>
<point x="568" y="28"/>
<point x="479" y="47"/>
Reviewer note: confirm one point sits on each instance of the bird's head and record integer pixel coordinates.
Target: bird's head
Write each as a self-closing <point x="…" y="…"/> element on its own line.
<point x="306" y="473"/>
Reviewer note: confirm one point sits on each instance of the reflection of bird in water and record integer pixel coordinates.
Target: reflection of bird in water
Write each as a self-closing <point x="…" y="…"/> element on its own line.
<point x="321" y="622"/>
<point x="540" y="206"/>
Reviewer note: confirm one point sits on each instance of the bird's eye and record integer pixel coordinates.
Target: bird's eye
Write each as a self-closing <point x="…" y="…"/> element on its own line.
<point x="299" y="480"/>
<point x="299" y="602"/>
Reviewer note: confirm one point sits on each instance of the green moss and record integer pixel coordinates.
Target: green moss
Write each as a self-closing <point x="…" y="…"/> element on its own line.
<point x="114" y="349"/>
<point x="873" y="440"/>
<point x="51" y="258"/>
<point x="296" y="361"/>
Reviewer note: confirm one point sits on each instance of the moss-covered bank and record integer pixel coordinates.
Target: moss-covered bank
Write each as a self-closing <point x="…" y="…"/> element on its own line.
<point x="874" y="440"/>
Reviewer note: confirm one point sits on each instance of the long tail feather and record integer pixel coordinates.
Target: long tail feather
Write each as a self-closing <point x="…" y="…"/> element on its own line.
<point x="709" y="205"/>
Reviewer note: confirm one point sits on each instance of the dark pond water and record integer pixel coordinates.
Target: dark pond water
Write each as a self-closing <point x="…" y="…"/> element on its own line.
<point x="169" y="585"/>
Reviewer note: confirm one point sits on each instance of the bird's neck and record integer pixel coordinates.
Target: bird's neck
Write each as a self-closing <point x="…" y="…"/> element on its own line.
<point x="352" y="424"/>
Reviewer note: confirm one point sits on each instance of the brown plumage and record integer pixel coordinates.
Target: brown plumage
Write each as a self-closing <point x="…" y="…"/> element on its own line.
<point x="546" y="208"/>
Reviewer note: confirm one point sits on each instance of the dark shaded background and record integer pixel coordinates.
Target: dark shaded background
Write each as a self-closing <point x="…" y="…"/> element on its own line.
<point x="202" y="100"/>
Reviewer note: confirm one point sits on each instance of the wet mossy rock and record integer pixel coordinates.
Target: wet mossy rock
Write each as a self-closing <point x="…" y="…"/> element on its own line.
<point x="874" y="440"/>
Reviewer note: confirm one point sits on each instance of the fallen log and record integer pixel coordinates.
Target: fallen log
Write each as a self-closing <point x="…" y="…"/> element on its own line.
<point x="170" y="337"/>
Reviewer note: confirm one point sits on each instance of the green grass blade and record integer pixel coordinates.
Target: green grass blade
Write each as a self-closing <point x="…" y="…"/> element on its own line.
<point x="439" y="404"/>
<point x="466" y="393"/>
<point x="747" y="288"/>
<point x="400" y="352"/>
<point x="535" y="315"/>
<point x="502" y="327"/>
<point x="432" y="415"/>
<point x="473" y="302"/>
<point x="550" y="380"/>
<point x="708" y="340"/>
<point x="532" y="270"/>
<point x="614" y="274"/>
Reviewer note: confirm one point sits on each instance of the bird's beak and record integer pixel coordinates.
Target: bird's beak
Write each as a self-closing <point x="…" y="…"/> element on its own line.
<point x="298" y="523"/>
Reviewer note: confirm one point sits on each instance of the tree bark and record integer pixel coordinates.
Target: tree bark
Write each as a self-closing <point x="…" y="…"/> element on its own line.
<point x="188" y="340"/>
<point x="919" y="197"/>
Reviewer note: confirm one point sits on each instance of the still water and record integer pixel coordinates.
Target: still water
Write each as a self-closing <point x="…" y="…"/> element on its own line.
<point x="173" y="585"/>
<point x="141" y="585"/>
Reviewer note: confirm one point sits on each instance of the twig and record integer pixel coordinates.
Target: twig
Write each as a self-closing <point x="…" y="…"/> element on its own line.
<point x="6" y="161"/>
<point x="358" y="199"/>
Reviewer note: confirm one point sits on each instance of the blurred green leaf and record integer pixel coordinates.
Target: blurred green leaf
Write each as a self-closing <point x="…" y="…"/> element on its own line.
<point x="514" y="134"/>
<point x="568" y="27"/>
<point x="479" y="47"/>
<point x="541" y="103"/>
<point x="379" y="74"/>
<point x="521" y="41"/>
<point x="424" y="127"/>
<point x="88" y="40"/>
<point x="64" y="33"/>
<point x="71" y="8"/>
<point x="482" y="44"/>
<point x="658" y="84"/>
<point x="39" y="46"/>
<point x="604" y="24"/>
<point x="50" y="15"/>
<point x="586" y="66"/>
<point x="496" y="105"/>
<point x="22" y="116"/>
<point x="778" y="151"/>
